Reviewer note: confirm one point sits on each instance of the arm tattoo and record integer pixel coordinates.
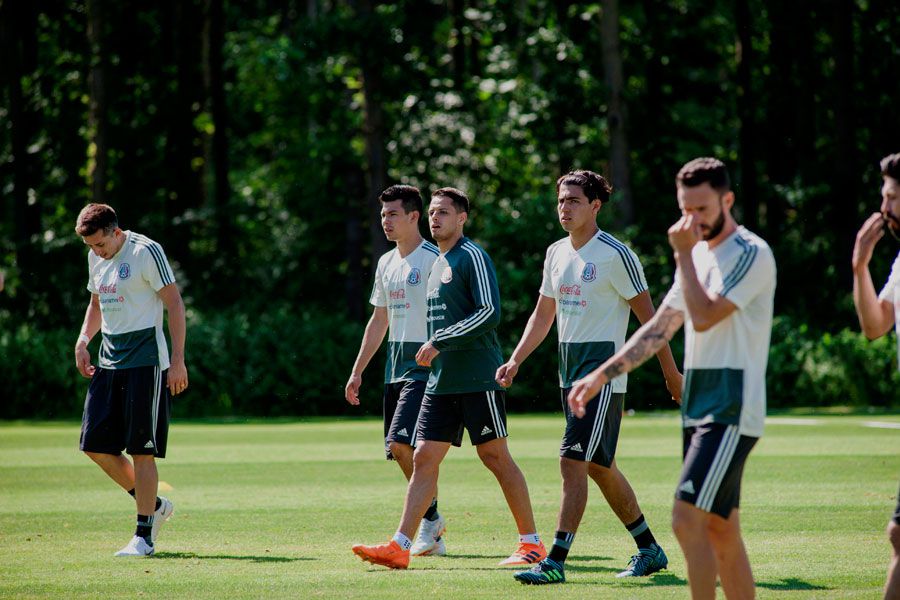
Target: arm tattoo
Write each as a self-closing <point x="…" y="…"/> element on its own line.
<point x="646" y="342"/>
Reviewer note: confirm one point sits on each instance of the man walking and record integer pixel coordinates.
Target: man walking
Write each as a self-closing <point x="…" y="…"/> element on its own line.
<point x="723" y="294"/>
<point x="128" y="400"/>
<point x="463" y="353"/>
<point x="398" y="296"/>
<point x="877" y="313"/>
<point x="591" y="284"/>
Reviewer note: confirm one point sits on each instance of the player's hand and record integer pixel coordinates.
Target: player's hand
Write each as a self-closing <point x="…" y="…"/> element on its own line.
<point x="674" y="383"/>
<point x="351" y="390"/>
<point x="684" y="234"/>
<point x="584" y="390"/>
<point x="866" y="238"/>
<point x="506" y="373"/>
<point x="426" y="354"/>
<point x="83" y="360"/>
<point x="177" y="378"/>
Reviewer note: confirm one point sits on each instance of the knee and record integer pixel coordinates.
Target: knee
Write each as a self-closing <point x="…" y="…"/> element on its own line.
<point x="400" y="451"/>
<point x="575" y="470"/>
<point x="893" y="532"/>
<point x="423" y="460"/>
<point x="494" y="459"/>
<point x="683" y="524"/>
<point x="94" y="456"/>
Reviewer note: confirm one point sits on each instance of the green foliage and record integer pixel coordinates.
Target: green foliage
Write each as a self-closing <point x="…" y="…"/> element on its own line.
<point x="830" y="369"/>
<point x="495" y="97"/>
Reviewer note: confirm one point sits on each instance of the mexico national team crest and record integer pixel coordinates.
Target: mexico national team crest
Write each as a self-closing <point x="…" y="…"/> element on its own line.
<point x="447" y="275"/>
<point x="415" y="276"/>
<point x="589" y="273"/>
<point x="124" y="271"/>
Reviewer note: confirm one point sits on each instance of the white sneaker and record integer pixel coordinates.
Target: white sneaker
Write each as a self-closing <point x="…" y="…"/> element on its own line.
<point x="166" y="510"/>
<point x="429" y="541"/>
<point x="138" y="546"/>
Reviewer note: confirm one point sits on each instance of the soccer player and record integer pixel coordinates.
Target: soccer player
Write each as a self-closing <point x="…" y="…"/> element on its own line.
<point x="591" y="284"/>
<point x="398" y="296"/>
<point x="128" y="400"/>
<point x="723" y="294"/>
<point x="877" y="313"/>
<point x="463" y="353"/>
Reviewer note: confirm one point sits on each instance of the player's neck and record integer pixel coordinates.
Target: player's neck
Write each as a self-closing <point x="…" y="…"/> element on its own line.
<point x="446" y="246"/>
<point x="408" y="245"/>
<point x="583" y="235"/>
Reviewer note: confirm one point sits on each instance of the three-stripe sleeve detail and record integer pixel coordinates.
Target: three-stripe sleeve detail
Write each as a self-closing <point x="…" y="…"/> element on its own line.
<point x="631" y="266"/>
<point x="744" y="262"/>
<point x="165" y="272"/>
<point x="483" y="296"/>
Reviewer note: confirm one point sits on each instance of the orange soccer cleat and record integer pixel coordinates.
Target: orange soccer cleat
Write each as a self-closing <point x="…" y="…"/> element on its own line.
<point x="389" y="555"/>
<point x="526" y="554"/>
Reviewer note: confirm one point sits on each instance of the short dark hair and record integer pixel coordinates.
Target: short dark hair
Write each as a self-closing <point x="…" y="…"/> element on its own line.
<point x="458" y="197"/>
<point x="890" y="166"/>
<point x="409" y="196"/>
<point x="705" y="170"/>
<point x="95" y="217"/>
<point x="594" y="186"/>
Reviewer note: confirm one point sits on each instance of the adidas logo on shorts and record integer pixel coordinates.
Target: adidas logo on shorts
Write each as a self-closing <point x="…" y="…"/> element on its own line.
<point x="486" y="430"/>
<point x="403" y="432"/>
<point x="687" y="487"/>
<point x="576" y="448"/>
<point x="148" y="445"/>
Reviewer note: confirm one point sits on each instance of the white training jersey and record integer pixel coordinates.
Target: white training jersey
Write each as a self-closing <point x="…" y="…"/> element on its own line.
<point x="591" y="287"/>
<point x="131" y="310"/>
<point x="401" y="287"/>
<point x="725" y="366"/>
<point x="891" y="293"/>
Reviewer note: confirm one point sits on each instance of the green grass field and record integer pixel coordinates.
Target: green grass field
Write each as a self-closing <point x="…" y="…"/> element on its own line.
<point x="270" y="511"/>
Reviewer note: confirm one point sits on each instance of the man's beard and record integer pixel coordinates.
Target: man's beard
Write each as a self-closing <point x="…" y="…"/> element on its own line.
<point x="892" y="223"/>
<point x="716" y="228"/>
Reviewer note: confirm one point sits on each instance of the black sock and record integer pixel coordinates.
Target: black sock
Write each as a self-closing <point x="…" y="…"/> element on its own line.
<point x="144" y="527"/>
<point x="641" y="533"/>
<point x="158" y="501"/>
<point x="431" y="513"/>
<point x="562" y="541"/>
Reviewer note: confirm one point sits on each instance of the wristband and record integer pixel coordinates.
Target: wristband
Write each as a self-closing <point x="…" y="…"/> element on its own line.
<point x="84" y="338"/>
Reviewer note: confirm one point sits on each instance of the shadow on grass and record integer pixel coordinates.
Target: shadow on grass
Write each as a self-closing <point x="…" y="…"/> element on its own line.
<point x="258" y="559"/>
<point x="790" y="583"/>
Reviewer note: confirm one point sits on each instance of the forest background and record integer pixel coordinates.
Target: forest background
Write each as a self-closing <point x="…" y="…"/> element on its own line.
<point x="251" y="139"/>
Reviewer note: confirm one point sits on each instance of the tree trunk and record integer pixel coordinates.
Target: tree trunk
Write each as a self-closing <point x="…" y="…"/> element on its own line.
<point x="617" y="114"/>
<point x="18" y="23"/>
<point x="845" y="173"/>
<point x="98" y="152"/>
<point x="749" y="199"/>
<point x="373" y="130"/>
<point x="216" y="142"/>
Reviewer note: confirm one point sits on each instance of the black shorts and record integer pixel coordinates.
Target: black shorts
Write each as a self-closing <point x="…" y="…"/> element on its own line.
<point x="714" y="457"/>
<point x="127" y="409"/>
<point x="593" y="438"/>
<point x="444" y="416"/>
<point x="897" y="510"/>
<point x="402" y="401"/>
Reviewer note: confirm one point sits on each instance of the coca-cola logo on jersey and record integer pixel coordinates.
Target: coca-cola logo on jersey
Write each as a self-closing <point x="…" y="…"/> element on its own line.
<point x="107" y="289"/>
<point x="397" y="294"/>
<point x="569" y="290"/>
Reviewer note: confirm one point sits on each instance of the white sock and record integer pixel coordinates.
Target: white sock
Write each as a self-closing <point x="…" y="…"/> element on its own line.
<point x="530" y="538"/>
<point x="402" y="540"/>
